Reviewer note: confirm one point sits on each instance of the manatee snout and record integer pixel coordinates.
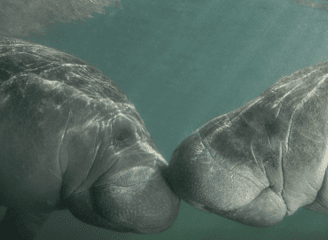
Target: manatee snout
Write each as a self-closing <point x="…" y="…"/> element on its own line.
<point x="212" y="182"/>
<point x="147" y="207"/>
<point x="132" y="195"/>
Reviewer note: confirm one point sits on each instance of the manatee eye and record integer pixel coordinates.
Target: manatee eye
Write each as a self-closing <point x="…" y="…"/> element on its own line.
<point x="124" y="132"/>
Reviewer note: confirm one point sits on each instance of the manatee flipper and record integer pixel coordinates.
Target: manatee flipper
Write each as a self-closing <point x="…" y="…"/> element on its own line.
<point x="21" y="225"/>
<point x="264" y="160"/>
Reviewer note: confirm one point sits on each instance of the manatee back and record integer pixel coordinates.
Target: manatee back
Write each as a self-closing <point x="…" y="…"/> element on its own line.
<point x="20" y="58"/>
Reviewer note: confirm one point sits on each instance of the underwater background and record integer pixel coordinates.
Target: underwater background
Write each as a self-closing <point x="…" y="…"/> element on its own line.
<point x="183" y="63"/>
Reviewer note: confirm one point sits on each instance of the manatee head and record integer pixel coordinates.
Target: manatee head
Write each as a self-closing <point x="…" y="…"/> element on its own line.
<point x="124" y="189"/>
<point x="264" y="160"/>
<point x="131" y="195"/>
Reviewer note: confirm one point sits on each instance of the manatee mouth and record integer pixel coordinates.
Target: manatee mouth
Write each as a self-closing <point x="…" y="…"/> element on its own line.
<point x="145" y="207"/>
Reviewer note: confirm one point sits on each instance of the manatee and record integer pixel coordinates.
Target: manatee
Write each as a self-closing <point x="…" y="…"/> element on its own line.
<point x="70" y="139"/>
<point x="263" y="161"/>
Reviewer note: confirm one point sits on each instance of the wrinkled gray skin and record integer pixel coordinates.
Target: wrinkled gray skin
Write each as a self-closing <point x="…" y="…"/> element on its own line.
<point x="71" y="139"/>
<point x="263" y="161"/>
